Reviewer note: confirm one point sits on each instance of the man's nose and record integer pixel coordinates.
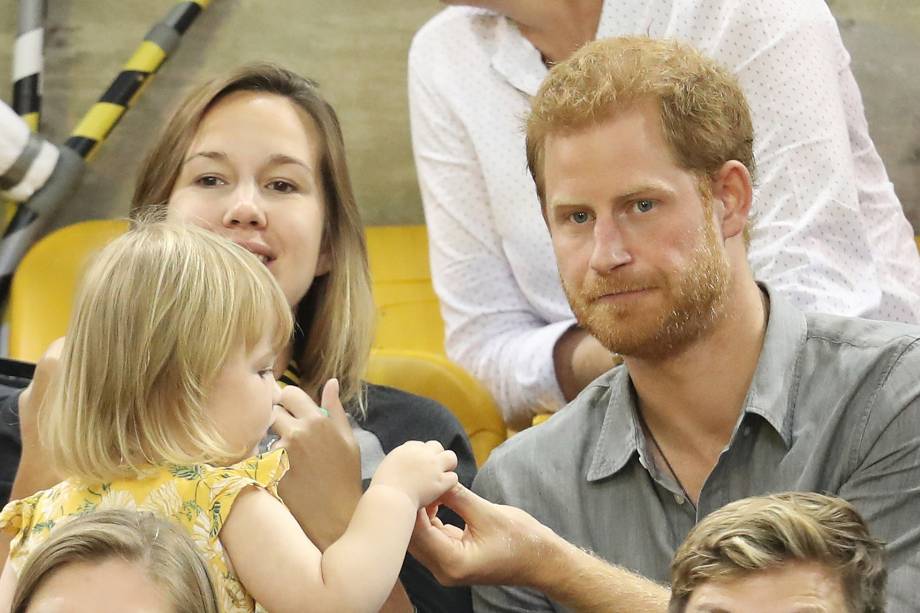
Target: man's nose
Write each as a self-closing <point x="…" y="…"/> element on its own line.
<point x="610" y="249"/>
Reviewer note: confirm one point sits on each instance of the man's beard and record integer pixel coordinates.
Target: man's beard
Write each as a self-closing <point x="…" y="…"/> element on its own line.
<point x="694" y="301"/>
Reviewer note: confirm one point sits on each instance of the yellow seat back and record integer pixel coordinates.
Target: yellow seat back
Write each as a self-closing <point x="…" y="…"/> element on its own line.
<point x="408" y="313"/>
<point x="45" y="282"/>
<point x="436" y="377"/>
<point x="409" y="342"/>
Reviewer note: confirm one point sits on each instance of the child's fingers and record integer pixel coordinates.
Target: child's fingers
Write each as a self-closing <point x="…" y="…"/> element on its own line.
<point x="449" y="480"/>
<point x="448" y="460"/>
<point x="435" y="446"/>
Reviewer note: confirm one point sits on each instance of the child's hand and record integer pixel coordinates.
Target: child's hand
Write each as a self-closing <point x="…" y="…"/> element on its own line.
<point x="423" y="471"/>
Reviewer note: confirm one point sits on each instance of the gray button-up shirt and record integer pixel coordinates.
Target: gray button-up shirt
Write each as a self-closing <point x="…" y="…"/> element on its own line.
<point x="834" y="407"/>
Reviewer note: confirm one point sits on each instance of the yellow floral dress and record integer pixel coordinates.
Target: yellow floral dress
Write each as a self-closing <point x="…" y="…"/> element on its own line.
<point x="197" y="497"/>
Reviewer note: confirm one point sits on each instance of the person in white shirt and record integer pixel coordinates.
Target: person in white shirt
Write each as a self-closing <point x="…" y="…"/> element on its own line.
<point x="829" y="232"/>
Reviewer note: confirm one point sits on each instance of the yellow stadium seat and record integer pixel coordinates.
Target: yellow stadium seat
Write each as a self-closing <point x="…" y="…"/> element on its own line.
<point x="408" y="347"/>
<point x="43" y="287"/>
<point x="436" y="377"/>
<point x="408" y="313"/>
<point x="409" y="342"/>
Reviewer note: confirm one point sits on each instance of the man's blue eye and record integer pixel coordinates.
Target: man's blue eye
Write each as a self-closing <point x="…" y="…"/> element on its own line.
<point x="644" y="206"/>
<point x="580" y="217"/>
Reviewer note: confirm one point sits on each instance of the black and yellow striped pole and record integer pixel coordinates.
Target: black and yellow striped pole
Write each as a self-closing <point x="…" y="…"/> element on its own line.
<point x="152" y="52"/>
<point x="33" y="215"/>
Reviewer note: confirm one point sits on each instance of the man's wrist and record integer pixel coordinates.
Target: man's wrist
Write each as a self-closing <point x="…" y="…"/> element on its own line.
<point x="550" y="554"/>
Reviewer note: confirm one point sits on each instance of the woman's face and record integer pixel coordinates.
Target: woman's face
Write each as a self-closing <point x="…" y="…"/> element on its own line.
<point x="251" y="174"/>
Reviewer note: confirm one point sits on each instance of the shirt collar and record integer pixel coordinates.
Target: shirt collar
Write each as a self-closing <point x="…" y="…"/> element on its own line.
<point x="771" y="396"/>
<point x="619" y="436"/>
<point x="518" y="61"/>
<point x="775" y="384"/>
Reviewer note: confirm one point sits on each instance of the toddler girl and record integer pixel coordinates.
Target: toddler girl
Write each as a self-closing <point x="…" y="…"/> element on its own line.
<point x="166" y="388"/>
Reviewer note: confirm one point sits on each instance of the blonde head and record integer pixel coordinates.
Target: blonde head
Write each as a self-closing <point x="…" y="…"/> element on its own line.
<point x="158" y="313"/>
<point x="335" y="320"/>
<point x="704" y="116"/>
<point x="765" y="532"/>
<point x="161" y="549"/>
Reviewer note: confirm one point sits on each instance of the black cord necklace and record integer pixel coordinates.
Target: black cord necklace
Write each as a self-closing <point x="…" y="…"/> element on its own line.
<point x="667" y="463"/>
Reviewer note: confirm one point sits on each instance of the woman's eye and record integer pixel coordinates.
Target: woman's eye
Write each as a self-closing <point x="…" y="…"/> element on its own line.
<point x="285" y="187"/>
<point x="644" y="206"/>
<point x="209" y="181"/>
<point x="267" y="372"/>
<point x="579" y="217"/>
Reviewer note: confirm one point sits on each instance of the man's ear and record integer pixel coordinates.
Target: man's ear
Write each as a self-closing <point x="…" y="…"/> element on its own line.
<point x="733" y="188"/>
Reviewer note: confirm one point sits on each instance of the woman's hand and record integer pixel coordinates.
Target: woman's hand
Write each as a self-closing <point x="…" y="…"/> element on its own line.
<point x="423" y="471"/>
<point x="323" y="486"/>
<point x="34" y="472"/>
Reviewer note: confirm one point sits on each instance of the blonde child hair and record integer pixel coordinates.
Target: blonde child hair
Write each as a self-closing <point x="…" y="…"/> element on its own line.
<point x="164" y="552"/>
<point x="158" y="313"/>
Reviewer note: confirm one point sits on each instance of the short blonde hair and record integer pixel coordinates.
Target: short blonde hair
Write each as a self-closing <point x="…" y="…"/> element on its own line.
<point x="704" y="116"/>
<point x="158" y="313"/>
<point x="335" y="320"/>
<point x="166" y="554"/>
<point x="765" y="532"/>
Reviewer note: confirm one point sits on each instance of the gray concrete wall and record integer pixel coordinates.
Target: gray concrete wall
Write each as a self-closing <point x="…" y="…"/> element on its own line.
<point x="357" y="51"/>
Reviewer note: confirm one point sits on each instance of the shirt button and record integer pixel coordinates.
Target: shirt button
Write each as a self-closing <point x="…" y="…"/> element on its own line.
<point x="746" y="431"/>
<point x="679" y="499"/>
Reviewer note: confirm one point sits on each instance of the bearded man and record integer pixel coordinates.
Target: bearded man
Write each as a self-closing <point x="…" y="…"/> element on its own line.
<point x="641" y="152"/>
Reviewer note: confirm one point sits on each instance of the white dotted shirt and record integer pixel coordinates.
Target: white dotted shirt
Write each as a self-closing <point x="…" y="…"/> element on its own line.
<point x="829" y="232"/>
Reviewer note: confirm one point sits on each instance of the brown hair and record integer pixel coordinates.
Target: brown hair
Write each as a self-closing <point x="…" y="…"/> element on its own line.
<point x="704" y="116"/>
<point x="765" y="532"/>
<point x="335" y="320"/>
<point x="164" y="552"/>
<point x="156" y="317"/>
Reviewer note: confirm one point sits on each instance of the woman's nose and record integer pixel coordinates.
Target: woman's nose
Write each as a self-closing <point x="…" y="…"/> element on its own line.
<point x="245" y="210"/>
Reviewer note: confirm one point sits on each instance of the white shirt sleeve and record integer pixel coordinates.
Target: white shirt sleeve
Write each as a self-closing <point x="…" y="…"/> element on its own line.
<point x="26" y="160"/>
<point x="491" y="328"/>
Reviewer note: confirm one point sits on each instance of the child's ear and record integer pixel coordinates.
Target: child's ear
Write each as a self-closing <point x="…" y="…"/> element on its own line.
<point x="733" y="188"/>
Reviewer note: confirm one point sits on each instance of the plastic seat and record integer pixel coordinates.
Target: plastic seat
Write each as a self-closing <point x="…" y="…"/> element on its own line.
<point x="436" y="377"/>
<point x="43" y="288"/>
<point x="409" y="342"/>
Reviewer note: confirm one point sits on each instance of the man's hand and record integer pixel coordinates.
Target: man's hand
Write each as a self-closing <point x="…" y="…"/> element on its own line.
<point x="323" y="486"/>
<point x="503" y="545"/>
<point x="500" y="545"/>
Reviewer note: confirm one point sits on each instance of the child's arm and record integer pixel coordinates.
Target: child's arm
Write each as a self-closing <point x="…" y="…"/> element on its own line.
<point x="283" y="571"/>
<point x="7" y="586"/>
